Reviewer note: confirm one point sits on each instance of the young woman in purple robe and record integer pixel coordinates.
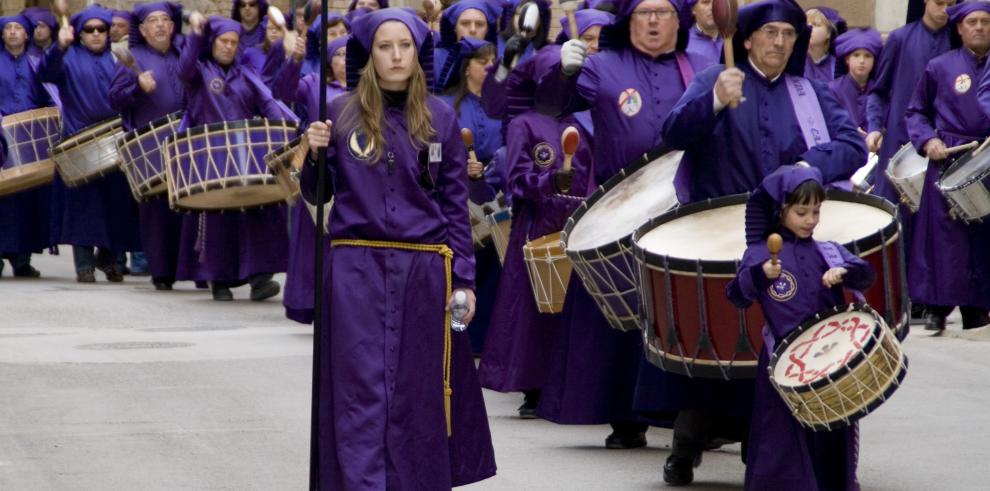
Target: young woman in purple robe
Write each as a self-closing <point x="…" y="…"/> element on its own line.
<point x="858" y="49"/>
<point x="825" y="24"/>
<point x="99" y="218"/>
<point x="228" y="249"/>
<point x="782" y="454"/>
<point x="400" y="405"/>
<point x="337" y="27"/>
<point x="250" y="13"/>
<point x="948" y="265"/>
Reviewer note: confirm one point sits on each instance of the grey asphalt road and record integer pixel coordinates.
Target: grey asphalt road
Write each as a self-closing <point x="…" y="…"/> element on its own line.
<point x="121" y="387"/>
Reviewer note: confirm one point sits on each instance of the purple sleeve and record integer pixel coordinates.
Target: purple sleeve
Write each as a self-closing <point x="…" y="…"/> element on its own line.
<point x="285" y="84"/>
<point x="859" y="274"/>
<point x="493" y="95"/>
<point x="983" y="92"/>
<point x="51" y="65"/>
<point x="274" y="61"/>
<point x="846" y="151"/>
<point x="453" y="202"/>
<point x="123" y="88"/>
<point x="566" y="95"/>
<point x="920" y="113"/>
<point x="693" y="117"/>
<point x="878" y="102"/>
<point x="525" y="179"/>
<point x="308" y="178"/>
<point x="750" y="279"/>
<point x="189" y="59"/>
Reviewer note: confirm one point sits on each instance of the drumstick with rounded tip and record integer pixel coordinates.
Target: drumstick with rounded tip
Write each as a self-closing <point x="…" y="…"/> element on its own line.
<point x="289" y="36"/>
<point x="430" y="10"/>
<point x="960" y="148"/>
<point x="774" y="244"/>
<point x="61" y="9"/>
<point x="569" y="7"/>
<point x="123" y="54"/>
<point x="569" y="141"/>
<point x="468" y="137"/>
<point x="725" y="13"/>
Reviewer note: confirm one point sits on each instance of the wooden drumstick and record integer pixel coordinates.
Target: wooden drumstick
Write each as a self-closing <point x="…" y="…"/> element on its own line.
<point x="468" y="137"/>
<point x="725" y="14"/>
<point x="289" y="36"/>
<point x="569" y="7"/>
<point x="123" y="54"/>
<point x="569" y="141"/>
<point x="774" y="244"/>
<point x="960" y="148"/>
<point x="983" y="146"/>
<point x="61" y="9"/>
<point x="431" y="13"/>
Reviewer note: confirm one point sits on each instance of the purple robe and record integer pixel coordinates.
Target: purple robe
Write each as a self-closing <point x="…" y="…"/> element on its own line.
<point x="228" y="246"/>
<point x="519" y="337"/>
<point x="782" y="454"/>
<point x="384" y="326"/>
<point x="707" y="50"/>
<point x="731" y="151"/>
<point x="822" y="71"/>
<point x="948" y="263"/>
<point x="160" y="226"/>
<point x="898" y="70"/>
<point x="852" y="97"/>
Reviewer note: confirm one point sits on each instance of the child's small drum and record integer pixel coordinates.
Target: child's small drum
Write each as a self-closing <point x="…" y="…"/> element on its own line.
<point x="141" y="156"/>
<point x="837" y="367"/>
<point x="549" y="271"/>
<point x="964" y="185"/>
<point x="221" y="166"/>
<point x="30" y="136"/>
<point x="90" y="153"/>
<point x="500" y="225"/>
<point x="906" y="172"/>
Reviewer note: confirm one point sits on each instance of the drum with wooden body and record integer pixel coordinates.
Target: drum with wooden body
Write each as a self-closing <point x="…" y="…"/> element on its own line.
<point x="29" y="138"/>
<point x="500" y="225"/>
<point x="837" y="367"/>
<point x="90" y="153"/>
<point x="965" y="185"/>
<point x="481" y="230"/>
<point x="286" y="163"/>
<point x="906" y="171"/>
<point x="549" y="271"/>
<point x="221" y="166"/>
<point x="598" y="235"/>
<point x="141" y="157"/>
<point x="688" y="256"/>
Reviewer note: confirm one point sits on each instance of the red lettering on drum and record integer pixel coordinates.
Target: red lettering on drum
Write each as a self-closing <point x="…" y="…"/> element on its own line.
<point x="819" y="356"/>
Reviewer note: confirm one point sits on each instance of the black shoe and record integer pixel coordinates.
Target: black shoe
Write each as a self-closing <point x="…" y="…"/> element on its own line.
<point x="27" y="271"/>
<point x="162" y="286"/>
<point x="114" y="274"/>
<point x="222" y="294"/>
<point x="936" y="323"/>
<point x="86" y="276"/>
<point x="265" y="290"/>
<point x="969" y="321"/>
<point x="679" y="471"/>
<point x="621" y="441"/>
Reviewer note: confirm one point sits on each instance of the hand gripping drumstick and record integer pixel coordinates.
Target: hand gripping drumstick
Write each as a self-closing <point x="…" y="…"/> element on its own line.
<point x="61" y="8"/>
<point x="123" y="54"/>
<point x="960" y="148"/>
<point x="431" y="13"/>
<point x="468" y="139"/>
<point x="569" y="7"/>
<point x="289" y="40"/>
<point x="774" y="244"/>
<point x="726" y="13"/>
<point x="569" y="141"/>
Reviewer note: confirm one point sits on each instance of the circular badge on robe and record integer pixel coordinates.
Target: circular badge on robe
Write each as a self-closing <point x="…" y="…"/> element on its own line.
<point x="783" y="288"/>
<point x="630" y="102"/>
<point x="359" y="145"/>
<point x="963" y="83"/>
<point x="544" y="154"/>
<point x="216" y="85"/>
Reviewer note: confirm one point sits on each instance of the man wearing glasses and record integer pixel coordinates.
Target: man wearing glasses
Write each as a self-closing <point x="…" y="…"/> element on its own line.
<point x="249" y="13"/>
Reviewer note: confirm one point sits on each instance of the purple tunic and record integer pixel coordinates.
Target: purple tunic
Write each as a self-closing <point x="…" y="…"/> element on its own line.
<point x="519" y="337"/>
<point x="823" y="71"/>
<point x="228" y="246"/>
<point x="384" y="322"/>
<point x="852" y="97"/>
<point x="948" y="261"/>
<point x="707" y="50"/>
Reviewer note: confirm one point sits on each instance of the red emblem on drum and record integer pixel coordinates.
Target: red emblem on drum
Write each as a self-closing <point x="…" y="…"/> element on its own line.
<point x="831" y="346"/>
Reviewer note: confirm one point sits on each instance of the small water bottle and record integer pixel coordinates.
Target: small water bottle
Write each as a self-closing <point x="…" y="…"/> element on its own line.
<point x="458" y="311"/>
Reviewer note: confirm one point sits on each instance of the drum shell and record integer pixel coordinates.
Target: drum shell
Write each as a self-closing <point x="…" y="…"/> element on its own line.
<point x="89" y="154"/>
<point x="142" y="157"/>
<point x="969" y="200"/>
<point x="30" y="136"/>
<point x="549" y="272"/>
<point x="909" y="185"/>
<point x="691" y="328"/>
<point x="500" y="224"/>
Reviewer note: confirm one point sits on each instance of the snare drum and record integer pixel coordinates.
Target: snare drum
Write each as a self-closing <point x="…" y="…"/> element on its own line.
<point x="29" y="137"/>
<point x="688" y="256"/>
<point x="964" y="185"/>
<point x="549" y="271"/>
<point x="598" y="234"/>
<point x="906" y="172"/>
<point x="221" y="166"/>
<point x="481" y="231"/>
<point x="500" y="225"/>
<point x="90" y="153"/>
<point x="141" y="157"/>
<point x="837" y="367"/>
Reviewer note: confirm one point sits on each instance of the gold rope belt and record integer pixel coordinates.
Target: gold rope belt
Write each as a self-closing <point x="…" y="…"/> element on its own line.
<point x="448" y="257"/>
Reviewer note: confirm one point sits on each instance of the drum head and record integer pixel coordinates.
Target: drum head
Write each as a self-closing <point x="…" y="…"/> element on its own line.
<point x="88" y="133"/>
<point x="906" y="162"/>
<point x="823" y="349"/>
<point x="968" y="168"/>
<point x="626" y="202"/>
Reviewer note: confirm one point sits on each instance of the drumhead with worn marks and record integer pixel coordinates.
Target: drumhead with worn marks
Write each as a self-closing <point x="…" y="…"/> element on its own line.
<point x="973" y="168"/>
<point x="718" y="234"/>
<point x="906" y="162"/>
<point x="824" y="348"/>
<point x="642" y="195"/>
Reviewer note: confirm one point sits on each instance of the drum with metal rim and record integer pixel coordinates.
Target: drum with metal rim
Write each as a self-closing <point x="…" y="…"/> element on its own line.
<point x="141" y="157"/>
<point x="29" y="137"/>
<point x="906" y="172"/>
<point x="689" y="254"/>
<point x="90" y="153"/>
<point x="598" y="235"/>
<point x="965" y="185"/>
<point x="837" y="367"/>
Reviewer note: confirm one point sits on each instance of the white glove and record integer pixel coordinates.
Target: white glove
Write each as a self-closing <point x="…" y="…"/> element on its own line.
<point x="572" y="56"/>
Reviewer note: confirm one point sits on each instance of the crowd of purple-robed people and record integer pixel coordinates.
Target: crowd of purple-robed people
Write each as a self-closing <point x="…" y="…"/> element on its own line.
<point x="646" y="74"/>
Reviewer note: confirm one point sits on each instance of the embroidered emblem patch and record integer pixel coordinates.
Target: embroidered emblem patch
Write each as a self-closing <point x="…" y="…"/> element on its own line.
<point x="630" y="102"/>
<point x="783" y="288"/>
<point x="216" y="85"/>
<point x="359" y="146"/>
<point x="544" y="154"/>
<point x="963" y="83"/>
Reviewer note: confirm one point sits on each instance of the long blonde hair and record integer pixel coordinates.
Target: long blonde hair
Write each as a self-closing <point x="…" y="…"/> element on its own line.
<point x="367" y="106"/>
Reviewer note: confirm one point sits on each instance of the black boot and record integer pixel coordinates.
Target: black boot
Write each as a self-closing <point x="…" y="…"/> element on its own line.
<point x="530" y="402"/>
<point x="679" y="471"/>
<point x="972" y="317"/>
<point x="263" y="287"/>
<point x="626" y="436"/>
<point x="935" y="323"/>
<point x="221" y="292"/>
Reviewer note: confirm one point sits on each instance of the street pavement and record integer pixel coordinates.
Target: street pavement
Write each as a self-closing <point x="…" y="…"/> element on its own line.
<point x="117" y="386"/>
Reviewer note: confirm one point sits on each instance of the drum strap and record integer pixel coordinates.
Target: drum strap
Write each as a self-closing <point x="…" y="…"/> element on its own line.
<point x="808" y="111"/>
<point x="448" y="258"/>
<point x="833" y="258"/>
<point x="684" y="66"/>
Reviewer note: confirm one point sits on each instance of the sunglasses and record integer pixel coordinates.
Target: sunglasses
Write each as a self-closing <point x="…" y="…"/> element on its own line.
<point x="246" y="5"/>
<point x="96" y="29"/>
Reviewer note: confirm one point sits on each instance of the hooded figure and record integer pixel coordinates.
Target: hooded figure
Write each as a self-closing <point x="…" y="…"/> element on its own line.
<point x="382" y="4"/>
<point x="448" y="28"/>
<point x="256" y="35"/>
<point x="781" y="453"/>
<point x="311" y="63"/>
<point x="850" y="93"/>
<point x="824" y="69"/>
<point x="585" y="19"/>
<point x="39" y="15"/>
<point x="386" y="357"/>
<point x="706" y="45"/>
<point x="944" y="112"/>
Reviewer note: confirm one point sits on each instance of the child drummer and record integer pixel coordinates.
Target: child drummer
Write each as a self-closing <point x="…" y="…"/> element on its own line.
<point x="807" y="278"/>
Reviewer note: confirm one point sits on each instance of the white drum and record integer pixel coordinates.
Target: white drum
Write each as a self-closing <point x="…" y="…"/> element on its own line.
<point x="964" y="185"/>
<point x="906" y="171"/>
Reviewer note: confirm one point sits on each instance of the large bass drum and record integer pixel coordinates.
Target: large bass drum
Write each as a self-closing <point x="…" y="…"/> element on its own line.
<point x="28" y="138"/>
<point x="141" y="156"/>
<point x="90" y="153"/>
